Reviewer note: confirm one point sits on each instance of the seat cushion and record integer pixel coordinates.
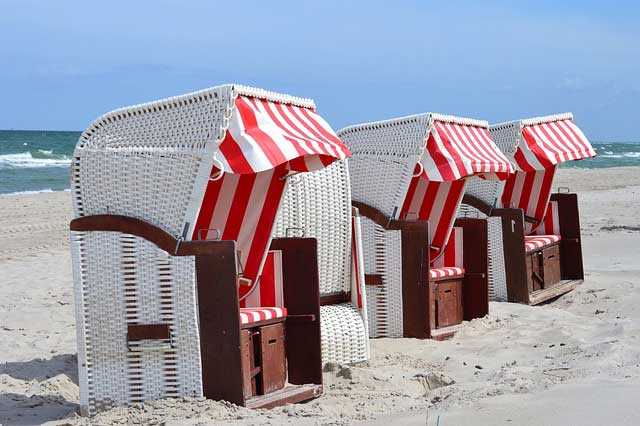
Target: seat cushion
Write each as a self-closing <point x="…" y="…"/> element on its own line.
<point x="535" y="242"/>
<point x="446" y="272"/>
<point x="251" y="315"/>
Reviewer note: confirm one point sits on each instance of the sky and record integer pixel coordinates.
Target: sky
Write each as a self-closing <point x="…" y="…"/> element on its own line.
<point x="64" y="63"/>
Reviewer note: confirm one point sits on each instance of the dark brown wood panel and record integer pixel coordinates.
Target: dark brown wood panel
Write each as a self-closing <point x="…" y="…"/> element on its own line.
<point x="219" y="313"/>
<point x="301" y="297"/>
<point x="475" y="287"/>
<point x="446" y="303"/>
<point x="272" y="357"/>
<point x="373" y="279"/>
<point x="551" y="265"/>
<point x="415" y="273"/>
<point x="514" y="254"/>
<point x="148" y="332"/>
<point x="571" y="263"/>
<point x="248" y="363"/>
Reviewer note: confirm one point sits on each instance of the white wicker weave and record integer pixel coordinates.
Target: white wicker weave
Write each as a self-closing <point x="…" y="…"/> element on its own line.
<point x="149" y="161"/>
<point x="380" y="177"/>
<point x="318" y="205"/>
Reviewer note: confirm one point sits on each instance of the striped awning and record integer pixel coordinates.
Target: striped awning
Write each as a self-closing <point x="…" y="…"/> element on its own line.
<point x="547" y="141"/>
<point x="265" y="140"/>
<point x="263" y="134"/>
<point x="458" y="147"/>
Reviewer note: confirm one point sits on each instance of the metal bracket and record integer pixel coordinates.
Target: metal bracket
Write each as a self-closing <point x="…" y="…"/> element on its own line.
<point x="218" y="233"/>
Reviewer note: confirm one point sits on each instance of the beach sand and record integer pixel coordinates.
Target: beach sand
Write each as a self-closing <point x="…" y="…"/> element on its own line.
<point x="573" y="361"/>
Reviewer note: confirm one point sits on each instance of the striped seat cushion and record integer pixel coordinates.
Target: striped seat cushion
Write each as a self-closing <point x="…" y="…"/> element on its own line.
<point x="251" y="315"/>
<point x="534" y="242"/>
<point x="448" y="272"/>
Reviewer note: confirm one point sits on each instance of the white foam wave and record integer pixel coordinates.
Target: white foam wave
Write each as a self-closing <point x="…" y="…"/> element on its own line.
<point x="26" y="160"/>
<point x="39" y="191"/>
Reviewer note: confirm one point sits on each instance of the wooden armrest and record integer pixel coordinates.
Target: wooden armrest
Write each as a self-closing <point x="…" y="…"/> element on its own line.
<point x="142" y="229"/>
<point x="477" y="203"/>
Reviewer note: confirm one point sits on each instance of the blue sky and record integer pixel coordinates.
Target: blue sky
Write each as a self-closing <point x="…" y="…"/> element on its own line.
<point x="65" y="63"/>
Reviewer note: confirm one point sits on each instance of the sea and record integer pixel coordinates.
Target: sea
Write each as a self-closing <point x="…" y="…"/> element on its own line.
<point x="39" y="161"/>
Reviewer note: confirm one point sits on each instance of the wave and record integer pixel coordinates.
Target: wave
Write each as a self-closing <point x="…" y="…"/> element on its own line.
<point x="34" y="159"/>
<point x="38" y="191"/>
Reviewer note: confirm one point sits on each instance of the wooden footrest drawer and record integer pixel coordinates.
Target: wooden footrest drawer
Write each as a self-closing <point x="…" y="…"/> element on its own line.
<point x="263" y="359"/>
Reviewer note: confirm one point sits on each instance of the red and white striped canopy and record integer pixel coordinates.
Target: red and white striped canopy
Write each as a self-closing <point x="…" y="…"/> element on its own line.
<point x="265" y="140"/>
<point x="263" y="134"/>
<point x="549" y="141"/>
<point x="457" y="148"/>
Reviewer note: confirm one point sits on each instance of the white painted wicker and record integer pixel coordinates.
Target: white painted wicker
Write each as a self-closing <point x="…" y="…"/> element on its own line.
<point x="149" y="161"/>
<point x="380" y="177"/>
<point x="318" y="205"/>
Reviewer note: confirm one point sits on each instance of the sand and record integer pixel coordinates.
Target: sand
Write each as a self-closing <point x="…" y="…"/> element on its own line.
<point x="573" y="361"/>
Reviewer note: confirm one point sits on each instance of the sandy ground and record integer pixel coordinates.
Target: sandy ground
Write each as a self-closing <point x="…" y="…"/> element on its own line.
<point x="573" y="361"/>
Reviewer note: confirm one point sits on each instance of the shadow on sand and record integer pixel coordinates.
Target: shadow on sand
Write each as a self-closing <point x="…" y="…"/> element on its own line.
<point x="38" y="382"/>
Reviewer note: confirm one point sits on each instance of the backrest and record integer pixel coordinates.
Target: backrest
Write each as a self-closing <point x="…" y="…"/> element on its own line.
<point x="318" y="205"/>
<point x="436" y="202"/>
<point x="529" y="191"/>
<point x="551" y="221"/>
<point x="382" y="162"/>
<point x="452" y="255"/>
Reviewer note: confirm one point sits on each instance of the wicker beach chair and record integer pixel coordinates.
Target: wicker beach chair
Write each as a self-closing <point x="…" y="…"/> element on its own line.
<point x="423" y="275"/>
<point x="318" y="205"/>
<point x="540" y="230"/>
<point x="180" y="288"/>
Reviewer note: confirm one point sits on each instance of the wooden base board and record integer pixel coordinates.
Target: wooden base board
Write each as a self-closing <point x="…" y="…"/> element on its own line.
<point x="445" y="333"/>
<point x="556" y="290"/>
<point x="290" y="394"/>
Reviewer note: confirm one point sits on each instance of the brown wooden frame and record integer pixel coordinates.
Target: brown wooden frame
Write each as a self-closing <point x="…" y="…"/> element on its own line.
<point x="219" y="311"/>
<point x="415" y="269"/>
<point x="571" y="263"/>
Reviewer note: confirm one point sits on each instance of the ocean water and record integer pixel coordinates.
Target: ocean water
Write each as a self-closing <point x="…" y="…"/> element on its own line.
<point x="35" y="161"/>
<point x="39" y="161"/>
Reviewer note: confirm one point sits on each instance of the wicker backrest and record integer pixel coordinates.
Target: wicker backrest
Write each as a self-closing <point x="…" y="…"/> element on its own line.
<point x="383" y="157"/>
<point x="318" y="205"/>
<point x="157" y="151"/>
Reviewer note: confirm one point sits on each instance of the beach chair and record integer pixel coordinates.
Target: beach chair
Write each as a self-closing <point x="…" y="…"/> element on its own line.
<point x="180" y="288"/>
<point x="318" y="205"/>
<point x="423" y="275"/>
<point x="541" y="230"/>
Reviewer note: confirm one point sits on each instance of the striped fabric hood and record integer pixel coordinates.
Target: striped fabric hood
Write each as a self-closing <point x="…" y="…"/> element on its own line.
<point x="547" y="141"/>
<point x="264" y="134"/>
<point x="268" y="137"/>
<point x="461" y="147"/>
